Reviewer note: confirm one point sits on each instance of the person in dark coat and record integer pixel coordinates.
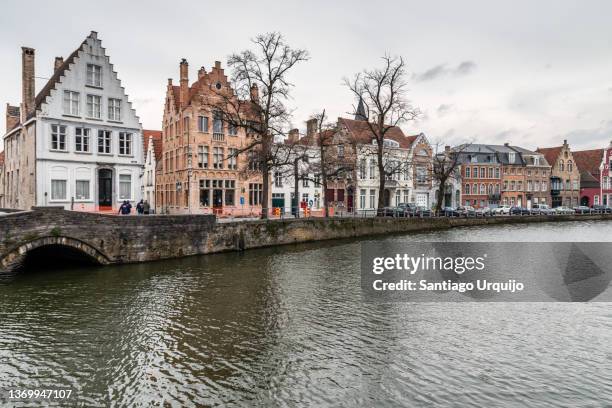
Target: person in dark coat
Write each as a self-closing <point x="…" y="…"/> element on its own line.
<point x="140" y="207"/>
<point x="146" y="208"/>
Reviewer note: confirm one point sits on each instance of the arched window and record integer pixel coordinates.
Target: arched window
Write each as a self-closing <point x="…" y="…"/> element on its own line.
<point x="490" y="189"/>
<point x="467" y="189"/>
<point x="483" y="189"/>
<point x="561" y="165"/>
<point x="570" y="166"/>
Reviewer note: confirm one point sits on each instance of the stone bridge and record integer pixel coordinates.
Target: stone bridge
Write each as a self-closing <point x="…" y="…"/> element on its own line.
<point x="54" y="233"/>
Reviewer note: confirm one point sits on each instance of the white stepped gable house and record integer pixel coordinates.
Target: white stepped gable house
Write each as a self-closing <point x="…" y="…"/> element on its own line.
<point x="78" y="143"/>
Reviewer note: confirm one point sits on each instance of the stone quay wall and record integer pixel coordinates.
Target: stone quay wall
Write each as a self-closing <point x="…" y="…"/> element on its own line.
<point x="110" y="239"/>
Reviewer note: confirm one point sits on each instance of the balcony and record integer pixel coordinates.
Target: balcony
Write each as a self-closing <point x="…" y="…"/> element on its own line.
<point x="219" y="137"/>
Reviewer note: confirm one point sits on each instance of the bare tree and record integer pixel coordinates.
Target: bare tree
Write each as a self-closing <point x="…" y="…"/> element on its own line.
<point x="257" y="102"/>
<point x="382" y="92"/>
<point x="446" y="167"/>
<point x="329" y="165"/>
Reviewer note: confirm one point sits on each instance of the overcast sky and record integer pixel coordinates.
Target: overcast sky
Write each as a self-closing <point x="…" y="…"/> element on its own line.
<point x="531" y="73"/>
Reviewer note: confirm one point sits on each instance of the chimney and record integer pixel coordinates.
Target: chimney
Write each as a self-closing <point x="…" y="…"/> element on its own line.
<point x="311" y="127"/>
<point x="57" y="63"/>
<point x="294" y="136"/>
<point x="217" y="64"/>
<point x="201" y="73"/>
<point x="507" y="144"/>
<point x="447" y="149"/>
<point x="184" y="82"/>
<point x="12" y="117"/>
<point x="27" y="81"/>
<point x="565" y="143"/>
<point x="254" y="93"/>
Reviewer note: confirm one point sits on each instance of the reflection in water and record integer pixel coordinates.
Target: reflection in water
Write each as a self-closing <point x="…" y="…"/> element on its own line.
<point x="289" y="327"/>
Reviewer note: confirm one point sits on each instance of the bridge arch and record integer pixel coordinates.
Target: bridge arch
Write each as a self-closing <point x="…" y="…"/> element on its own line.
<point x="57" y="245"/>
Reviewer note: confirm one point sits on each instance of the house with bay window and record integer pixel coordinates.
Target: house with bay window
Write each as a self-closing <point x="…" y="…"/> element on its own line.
<point x="77" y="143"/>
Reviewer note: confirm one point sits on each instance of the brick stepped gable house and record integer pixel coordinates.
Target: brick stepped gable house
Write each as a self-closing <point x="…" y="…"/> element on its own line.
<point x="153" y="152"/>
<point x="594" y="167"/>
<point x="565" y="177"/>
<point x="78" y="142"/>
<point x="201" y="172"/>
<point x="412" y="184"/>
<point x="503" y="174"/>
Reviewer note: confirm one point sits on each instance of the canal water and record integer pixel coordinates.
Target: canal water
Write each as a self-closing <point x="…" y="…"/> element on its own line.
<point x="288" y="327"/>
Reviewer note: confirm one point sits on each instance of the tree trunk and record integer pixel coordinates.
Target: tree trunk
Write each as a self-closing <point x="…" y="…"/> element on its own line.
<point x="381" y="180"/>
<point x="265" y="190"/>
<point x="296" y="188"/>
<point x="441" y="194"/>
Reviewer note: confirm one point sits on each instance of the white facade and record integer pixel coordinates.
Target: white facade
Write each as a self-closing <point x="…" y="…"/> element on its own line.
<point x="89" y="146"/>
<point x="148" y="181"/>
<point x="309" y="190"/>
<point x="401" y="187"/>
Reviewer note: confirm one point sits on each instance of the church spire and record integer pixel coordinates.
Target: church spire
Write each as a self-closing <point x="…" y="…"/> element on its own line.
<point x="360" y="114"/>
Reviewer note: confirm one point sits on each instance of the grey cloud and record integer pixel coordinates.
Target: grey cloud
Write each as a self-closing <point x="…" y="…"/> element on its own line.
<point x="590" y="138"/>
<point x="439" y="71"/>
<point x="444" y="109"/>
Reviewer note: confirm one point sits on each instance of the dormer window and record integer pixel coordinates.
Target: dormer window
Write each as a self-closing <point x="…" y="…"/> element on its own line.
<point x="511" y="157"/>
<point x="94" y="75"/>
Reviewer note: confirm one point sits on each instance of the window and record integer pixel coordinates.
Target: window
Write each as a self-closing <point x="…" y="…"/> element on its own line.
<point x="305" y="181"/>
<point x="497" y="172"/>
<point x="104" y="141"/>
<point x="94" y="106"/>
<point x="490" y="174"/>
<point x="278" y="179"/>
<point x="511" y="158"/>
<point x="561" y="165"/>
<point x="398" y="197"/>
<point x="58" y="189"/>
<point x="570" y="166"/>
<point x="421" y="176"/>
<point x="217" y="157"/>
<point x="362" y="198"/>
<point x="114" y="109"/>
<point x="205" y="193"/>
<point x="467" y="189"/>
<point x="125" y="187"/>
<point x="406" y="195"/>
<point x="232" y="129"/>
<point x="362" y="169"/>
<point x="372" y="198"/>
<point x="230" y="192"/>
<point x="58" y="137"/>
<point x="467" y="172"/>
<point x="94" y="75"/>
<point x="475" y="172"/>
<point x="340" y="151"/>
<point x="372" y="169"/>
<point x="125" y="144"/>
<point x="482" y="172"/>
<point x="71" y="103"/>
<point x="81" y="191"/>
<point x="203" y="124"/>
<point x="218" y="123"/>
<point x="483" y="189"/>
<point x="255" y="194"/>
<point x="529" y="185"/>
<point x="232" y="159"/>
<point x="203" y="157"/>
<point x="81" y="140"/>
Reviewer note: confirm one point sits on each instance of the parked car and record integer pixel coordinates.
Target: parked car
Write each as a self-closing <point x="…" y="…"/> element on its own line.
<point x="422" y="211"/>
<point x="582" y="209"/>
<point x="483" y="212"/>
<point x="450" y="212"/>
<point x="519" y="211"/>
<point x="541" y="209"/>
<point x="406" y="209"/>
<point x="564" y="210"/>
<point x="602" y="209"/>
<point x="387" y="211"/>
<point x="502" y="210"/>
<point x="466" y="211"/>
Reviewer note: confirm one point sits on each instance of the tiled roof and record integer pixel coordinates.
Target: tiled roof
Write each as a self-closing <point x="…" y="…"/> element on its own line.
<point x="589" y="161"/>
<point x="361" y="132"/>
<point x="550" y="153"/>
<point x="55" y="78"/>
<point x="156" y="136"/>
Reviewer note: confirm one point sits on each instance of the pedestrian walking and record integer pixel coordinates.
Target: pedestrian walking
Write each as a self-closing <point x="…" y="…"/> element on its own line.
<point x="140" y="207"/>
<point x="146" y="207"/>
